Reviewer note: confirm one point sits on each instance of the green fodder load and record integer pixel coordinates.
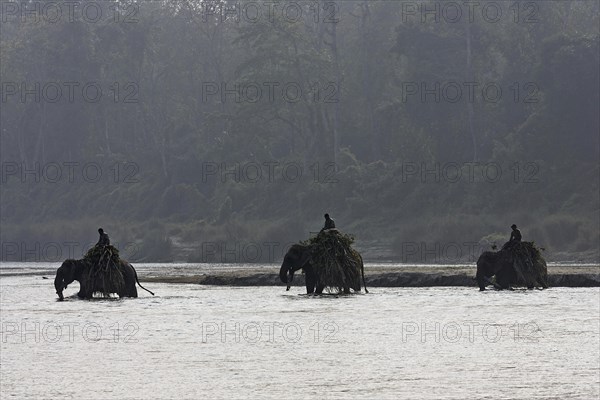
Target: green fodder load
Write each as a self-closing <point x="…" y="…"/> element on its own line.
<point x="105" y="276"/>
<point x="528" y="263"/>
<point x="334" y="260"/>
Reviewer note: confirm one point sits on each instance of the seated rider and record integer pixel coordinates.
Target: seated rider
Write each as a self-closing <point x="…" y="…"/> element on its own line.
<point x="329" y="223"/>
<point x="515" y="237"/>
<point x="104" y="239"/>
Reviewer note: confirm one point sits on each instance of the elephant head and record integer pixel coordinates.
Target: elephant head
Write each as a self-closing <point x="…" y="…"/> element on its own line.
<point x="69" y="271"/>
<point x="297" y="257"/>
<point x="496" y="264"/>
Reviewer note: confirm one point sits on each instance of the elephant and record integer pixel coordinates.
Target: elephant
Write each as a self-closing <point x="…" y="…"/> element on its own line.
<point x="79" y="270"/>
<point x="501" y="265"/>
<point x="299" y="257"/>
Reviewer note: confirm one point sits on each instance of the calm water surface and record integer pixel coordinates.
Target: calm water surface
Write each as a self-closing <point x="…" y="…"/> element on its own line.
<point x="191" y="341"/>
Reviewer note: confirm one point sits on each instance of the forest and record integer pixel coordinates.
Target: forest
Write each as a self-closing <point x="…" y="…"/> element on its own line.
<point x="222" y="131"/>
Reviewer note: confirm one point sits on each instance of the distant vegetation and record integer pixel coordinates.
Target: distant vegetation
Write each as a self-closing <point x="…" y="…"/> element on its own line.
<point x="213" y="135"/>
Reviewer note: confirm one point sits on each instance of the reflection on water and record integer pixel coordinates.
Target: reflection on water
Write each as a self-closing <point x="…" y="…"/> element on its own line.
<point x="191" y="342"/>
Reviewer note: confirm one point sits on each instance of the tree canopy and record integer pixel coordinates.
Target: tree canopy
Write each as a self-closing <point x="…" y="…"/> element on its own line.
<point x="180" y="123"/>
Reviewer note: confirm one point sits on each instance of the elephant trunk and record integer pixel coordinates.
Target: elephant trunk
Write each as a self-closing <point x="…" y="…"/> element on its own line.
<point x="283" y="274"/>
<point x="290" y="278"/>
<point x="483" y="269"/>
<point x="286" y="275"/>
<point x="58" y="285"/>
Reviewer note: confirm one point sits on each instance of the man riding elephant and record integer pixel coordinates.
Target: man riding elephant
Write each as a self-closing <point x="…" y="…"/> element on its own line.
<point x="515" y="237"/>
<point x="329" y="223"/>
<point x="104" y="239"/>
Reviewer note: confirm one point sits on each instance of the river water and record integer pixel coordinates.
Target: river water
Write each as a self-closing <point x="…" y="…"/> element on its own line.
<point x="191" y="342"/>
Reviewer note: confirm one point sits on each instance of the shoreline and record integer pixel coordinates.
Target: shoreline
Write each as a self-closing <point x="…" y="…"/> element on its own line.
<point x="375" y="276"/>
<point x="558" y="276"/>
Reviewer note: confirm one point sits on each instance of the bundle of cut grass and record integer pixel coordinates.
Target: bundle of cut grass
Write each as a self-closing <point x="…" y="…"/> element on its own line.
<point x="104" y="274"/>
<point x="104" y="255"/>
<point x="335" y="262"/>
<point x="528" y="263"/>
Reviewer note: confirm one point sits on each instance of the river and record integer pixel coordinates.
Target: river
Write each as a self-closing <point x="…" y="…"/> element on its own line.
<point x="192" y="341"/>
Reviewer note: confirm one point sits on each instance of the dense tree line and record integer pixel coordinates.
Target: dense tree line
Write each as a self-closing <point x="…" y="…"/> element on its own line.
<point x="178" y="123"/>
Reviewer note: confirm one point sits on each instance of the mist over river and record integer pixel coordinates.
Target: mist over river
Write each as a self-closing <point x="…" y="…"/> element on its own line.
<point x="194" y="341"/>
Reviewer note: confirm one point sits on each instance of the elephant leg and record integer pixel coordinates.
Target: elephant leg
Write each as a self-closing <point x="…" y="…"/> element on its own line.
<point x="319" y="289"/>
<point x="482" y="284"/>
<point x="535" y="284"/>
<point x="544" y="281"/>
<point x="129" y="287"/>
<point x="503" y="282"/>
<point x="311" y="283"/>
<point x="84" y="291"/>
<point x="346" y="290"/>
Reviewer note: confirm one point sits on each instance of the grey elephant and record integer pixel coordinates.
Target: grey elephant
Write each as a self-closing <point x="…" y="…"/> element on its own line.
<point x="79" y="270"/>
<point x="300" y="257"/>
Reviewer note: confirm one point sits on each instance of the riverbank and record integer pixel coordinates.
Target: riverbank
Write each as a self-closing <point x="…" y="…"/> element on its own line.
<point x="377" y="275"/>
<point x="381" y="276"/>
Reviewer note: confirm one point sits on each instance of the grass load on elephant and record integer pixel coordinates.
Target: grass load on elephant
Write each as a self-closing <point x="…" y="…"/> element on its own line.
<point x="335" y="262"/>
<point x="528" y="263"/>
<point x="104" y="269"/>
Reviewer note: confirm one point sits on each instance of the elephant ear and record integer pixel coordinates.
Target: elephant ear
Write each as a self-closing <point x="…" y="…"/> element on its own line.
<point x="300" y="254"/>
<point x="69" y="268"/>
<point x="294" y="251"/>
<point x="305" y="257"/>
